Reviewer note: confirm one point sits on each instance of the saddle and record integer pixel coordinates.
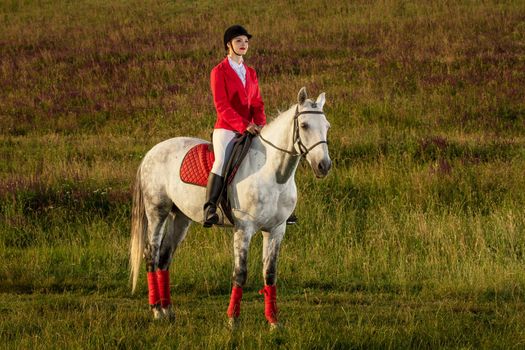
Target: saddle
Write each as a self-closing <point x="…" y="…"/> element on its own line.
<point x="198" y="161"/>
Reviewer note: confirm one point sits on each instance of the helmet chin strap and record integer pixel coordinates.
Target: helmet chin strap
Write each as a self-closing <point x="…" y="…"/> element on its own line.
<point x="231" y="45"/>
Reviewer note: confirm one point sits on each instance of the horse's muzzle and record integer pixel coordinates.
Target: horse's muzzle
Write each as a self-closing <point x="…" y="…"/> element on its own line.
<point x="323" y="167"/>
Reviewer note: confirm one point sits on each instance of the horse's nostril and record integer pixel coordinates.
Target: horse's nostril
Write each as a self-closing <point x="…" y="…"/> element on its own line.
<point x="324" y="166"/>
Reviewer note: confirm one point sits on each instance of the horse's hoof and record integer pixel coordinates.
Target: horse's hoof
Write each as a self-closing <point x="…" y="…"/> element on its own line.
<point x="168" y="313"/>
<point x="157" y="312"/>
<point x="233" y="323"/>
<point x="275" y="327"/>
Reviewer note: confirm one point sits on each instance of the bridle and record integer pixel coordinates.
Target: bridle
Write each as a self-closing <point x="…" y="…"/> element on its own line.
<point x="303" y="149"/>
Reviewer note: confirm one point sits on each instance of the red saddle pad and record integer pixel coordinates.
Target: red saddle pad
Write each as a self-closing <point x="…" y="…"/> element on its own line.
<point x="197" y="164"/>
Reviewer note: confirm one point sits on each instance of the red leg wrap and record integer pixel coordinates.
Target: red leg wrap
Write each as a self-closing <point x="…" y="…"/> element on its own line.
<point x="153" y="288"/>
<point x="234" y="310"/>
<point x="270" y="303"/>
<point x="163" y="278"/>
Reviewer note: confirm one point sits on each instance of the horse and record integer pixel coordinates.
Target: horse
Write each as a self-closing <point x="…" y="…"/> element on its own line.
<point x="262" y="195"/>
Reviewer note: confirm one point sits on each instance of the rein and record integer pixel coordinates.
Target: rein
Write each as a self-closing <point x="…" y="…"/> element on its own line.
<point x="297" y="137"/>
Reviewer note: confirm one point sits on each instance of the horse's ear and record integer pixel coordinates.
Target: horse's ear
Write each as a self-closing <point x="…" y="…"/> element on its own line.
<point x="301" y="97"/>
<point x="320" y="101"/>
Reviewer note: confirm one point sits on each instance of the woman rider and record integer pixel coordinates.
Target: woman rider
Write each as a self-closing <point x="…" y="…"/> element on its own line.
<point x="239" y="108"/>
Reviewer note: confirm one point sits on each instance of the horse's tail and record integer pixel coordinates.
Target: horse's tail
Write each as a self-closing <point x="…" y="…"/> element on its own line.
<point x="139" y="227"/>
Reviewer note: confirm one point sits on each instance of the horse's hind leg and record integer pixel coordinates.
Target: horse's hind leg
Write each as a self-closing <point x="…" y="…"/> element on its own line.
<point x="175" y="229"/>
<point x="156" y="215"/>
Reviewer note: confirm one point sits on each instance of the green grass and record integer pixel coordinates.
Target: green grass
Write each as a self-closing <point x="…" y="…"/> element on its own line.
<point x="313" y="319"/>
<point x="415" y="240"/>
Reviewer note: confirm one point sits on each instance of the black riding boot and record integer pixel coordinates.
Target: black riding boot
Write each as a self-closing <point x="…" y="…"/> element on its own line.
<point x="213" y="191"/>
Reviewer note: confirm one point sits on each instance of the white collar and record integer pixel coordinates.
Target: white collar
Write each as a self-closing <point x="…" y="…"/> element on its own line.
<point x="232" y="62"/>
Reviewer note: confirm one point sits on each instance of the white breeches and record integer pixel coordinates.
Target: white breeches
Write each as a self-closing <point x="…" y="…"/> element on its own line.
<point x="222" y="148"/>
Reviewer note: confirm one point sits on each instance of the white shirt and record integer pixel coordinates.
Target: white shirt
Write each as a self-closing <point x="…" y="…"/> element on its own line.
<point x="240" y="69"/>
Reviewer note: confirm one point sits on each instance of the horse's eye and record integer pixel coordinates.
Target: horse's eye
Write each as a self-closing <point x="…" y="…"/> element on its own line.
<point x="304" y="126"/>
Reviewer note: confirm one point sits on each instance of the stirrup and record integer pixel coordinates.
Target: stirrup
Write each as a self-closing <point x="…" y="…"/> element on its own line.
<point x="292" y="220"/>
<point x="210" y="219"/>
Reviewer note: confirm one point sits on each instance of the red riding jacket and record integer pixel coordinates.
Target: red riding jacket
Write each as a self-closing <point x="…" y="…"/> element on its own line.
<point x="237" y="106"/>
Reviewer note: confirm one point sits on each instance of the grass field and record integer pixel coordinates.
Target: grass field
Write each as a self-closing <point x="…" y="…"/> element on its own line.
<point x="415" y="240"/>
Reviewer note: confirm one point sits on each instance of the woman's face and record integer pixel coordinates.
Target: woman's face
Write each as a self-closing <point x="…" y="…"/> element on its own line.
<point x="240" y="44"/>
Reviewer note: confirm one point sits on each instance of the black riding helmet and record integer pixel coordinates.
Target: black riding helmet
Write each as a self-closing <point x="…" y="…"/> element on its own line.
<point x="234" y="31"/>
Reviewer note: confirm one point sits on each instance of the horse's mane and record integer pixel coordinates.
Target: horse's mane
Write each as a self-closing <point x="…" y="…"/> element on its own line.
<point x="280" y="113"/>
<point x="272" y="119"/>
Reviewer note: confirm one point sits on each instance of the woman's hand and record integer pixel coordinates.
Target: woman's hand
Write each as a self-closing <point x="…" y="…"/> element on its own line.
<point x="254" y="129"/>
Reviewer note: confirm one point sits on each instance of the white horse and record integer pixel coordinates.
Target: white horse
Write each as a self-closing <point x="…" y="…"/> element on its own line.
<point x="263" y="194"/>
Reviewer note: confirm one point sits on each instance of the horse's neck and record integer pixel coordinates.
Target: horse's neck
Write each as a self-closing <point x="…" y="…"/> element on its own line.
<point x="280" y="133"/>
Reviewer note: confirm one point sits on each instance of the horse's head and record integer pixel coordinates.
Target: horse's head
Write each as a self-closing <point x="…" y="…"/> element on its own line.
<point x="311" y="128"/>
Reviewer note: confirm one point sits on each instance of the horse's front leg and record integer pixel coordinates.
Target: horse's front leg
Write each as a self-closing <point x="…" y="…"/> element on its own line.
<point x="241" y="245"/>
<point x="271" y="245"/>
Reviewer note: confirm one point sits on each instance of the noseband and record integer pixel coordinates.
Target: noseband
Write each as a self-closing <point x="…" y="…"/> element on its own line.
<point x="303" y="149"/>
